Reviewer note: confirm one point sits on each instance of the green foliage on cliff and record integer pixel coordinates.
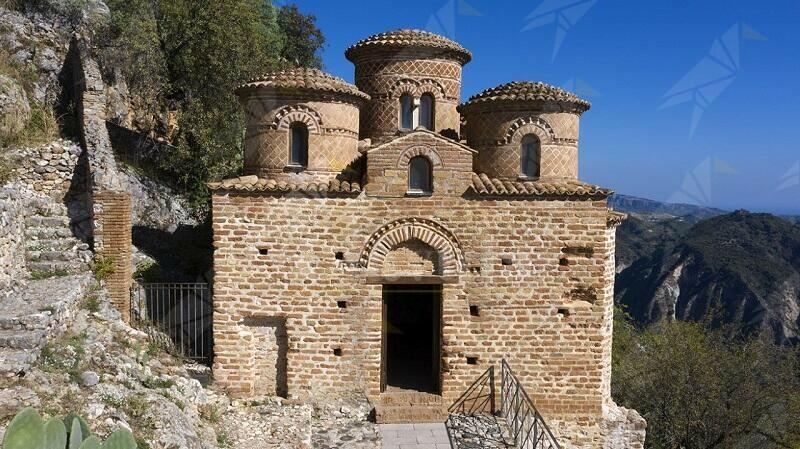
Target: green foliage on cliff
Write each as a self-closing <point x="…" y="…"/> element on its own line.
<point x="700" y="388"/>
<point x="183" y="58"/>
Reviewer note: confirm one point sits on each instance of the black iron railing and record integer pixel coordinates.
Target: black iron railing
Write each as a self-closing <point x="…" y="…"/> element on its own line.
<point x="526" y="425"/>
<point x="181" y="312"/>
<point x="479" y="397"/>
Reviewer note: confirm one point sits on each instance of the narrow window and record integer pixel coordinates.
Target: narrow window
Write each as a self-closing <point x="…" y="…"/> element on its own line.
<point x="419" y="175"/>
<point x="406" y="111"/>
<point x="426" y="111"/>
<point x="299" y="144"/>
<point x="531" y="153"/>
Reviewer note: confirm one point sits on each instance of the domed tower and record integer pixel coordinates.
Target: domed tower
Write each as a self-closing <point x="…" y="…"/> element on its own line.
<point x="524" y="130"/>
<point x="301" y="124"/>
<point x="414" y="79"/>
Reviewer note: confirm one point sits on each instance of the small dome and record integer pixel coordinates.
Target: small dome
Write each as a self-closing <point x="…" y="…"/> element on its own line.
<point x="305" y="79"/>
<point x="528" y="91"/>
<point x="405" y="38"/>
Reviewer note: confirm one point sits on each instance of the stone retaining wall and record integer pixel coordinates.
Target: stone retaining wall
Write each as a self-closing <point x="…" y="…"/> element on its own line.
<point x="12" y="239"/>
<point x="48" y="169"/>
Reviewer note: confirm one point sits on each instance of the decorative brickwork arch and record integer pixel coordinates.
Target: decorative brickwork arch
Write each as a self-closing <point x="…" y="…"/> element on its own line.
<point x="393" y="234"/>
<point x="297" y="113"/>
<point x="404" y="86"/>
<point x="528" y="125"/>
<point x="419" y="150"/>
<point x="430" y="86"/>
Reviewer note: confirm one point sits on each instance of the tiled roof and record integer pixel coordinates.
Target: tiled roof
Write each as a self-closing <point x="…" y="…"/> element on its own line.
<point x="481" y="184"/>
<point x="303" y="78"/>
<point x="528" y="91"/>
<point x="256" y="184"/>
<point x="615" y="218"/>
<point x="409" y="38"/>
<point x="484" y="185"/>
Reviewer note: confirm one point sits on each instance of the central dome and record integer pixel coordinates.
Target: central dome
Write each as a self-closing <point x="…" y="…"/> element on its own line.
<point x="408" y="38"/>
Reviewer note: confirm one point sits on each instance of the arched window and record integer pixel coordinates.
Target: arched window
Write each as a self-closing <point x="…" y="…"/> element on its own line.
<point x="406" y="111"/>
<point x="530" y="156"/>
<point x="426" y="111"/>
<point x="420" y="175"/>
<point x="298" y="141"/>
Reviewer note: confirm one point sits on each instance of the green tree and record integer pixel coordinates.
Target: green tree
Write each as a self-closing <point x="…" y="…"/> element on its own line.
<point x="303" y="40"/>
<point x="184" y="58"/>
<point x="701" y="388"/>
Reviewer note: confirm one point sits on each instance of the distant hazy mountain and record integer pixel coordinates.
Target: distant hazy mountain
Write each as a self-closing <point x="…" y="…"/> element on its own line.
<point x="632" y="204"/>
<point x="738" y="267"/>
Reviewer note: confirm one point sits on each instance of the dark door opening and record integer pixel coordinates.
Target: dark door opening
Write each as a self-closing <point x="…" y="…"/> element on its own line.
<point x="411" y="349"/>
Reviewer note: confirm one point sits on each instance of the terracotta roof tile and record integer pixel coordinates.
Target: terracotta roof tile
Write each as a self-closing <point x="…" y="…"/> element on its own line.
<point x="484" y="185"/>
<point x="409" y="38"/>
<point x="303" y="78"/>
<point x="528" y="91"/>
<point x="256" y="184"/>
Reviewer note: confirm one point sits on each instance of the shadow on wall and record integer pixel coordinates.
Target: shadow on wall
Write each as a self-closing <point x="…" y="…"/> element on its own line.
<point x="185" y="255"/>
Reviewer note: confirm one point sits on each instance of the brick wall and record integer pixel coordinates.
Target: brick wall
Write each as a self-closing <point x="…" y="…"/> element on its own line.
<point x="535" y="311"/>
<point x="112" y="242"/>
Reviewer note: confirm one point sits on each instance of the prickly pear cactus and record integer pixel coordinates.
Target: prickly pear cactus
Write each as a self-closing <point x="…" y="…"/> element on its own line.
<point x="28" y="431"/>
<point x="25" y="431"/>
<point x="55" y="434"/>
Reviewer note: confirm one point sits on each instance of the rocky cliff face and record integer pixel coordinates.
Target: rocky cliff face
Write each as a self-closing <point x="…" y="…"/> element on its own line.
<point x="735" y="268"/>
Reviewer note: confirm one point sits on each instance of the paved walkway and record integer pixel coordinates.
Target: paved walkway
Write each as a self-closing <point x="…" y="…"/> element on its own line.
<point x="414" y="436"/>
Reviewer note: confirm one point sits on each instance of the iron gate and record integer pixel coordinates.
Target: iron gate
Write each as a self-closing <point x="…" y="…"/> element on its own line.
<point x="181" y="312"/>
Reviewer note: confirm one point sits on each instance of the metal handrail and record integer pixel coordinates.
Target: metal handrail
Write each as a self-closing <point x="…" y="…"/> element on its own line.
<point x="528" y="428"/>
<point x="479" y="401"/>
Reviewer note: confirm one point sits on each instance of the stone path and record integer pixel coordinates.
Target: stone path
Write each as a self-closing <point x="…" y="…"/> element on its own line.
<point x="414" y="436"/>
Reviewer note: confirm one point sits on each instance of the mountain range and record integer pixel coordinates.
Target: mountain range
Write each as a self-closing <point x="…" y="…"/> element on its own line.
<point x="687" y="262"/>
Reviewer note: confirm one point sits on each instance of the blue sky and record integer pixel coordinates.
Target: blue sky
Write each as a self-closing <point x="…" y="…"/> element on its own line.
<point x="693" y="101"/>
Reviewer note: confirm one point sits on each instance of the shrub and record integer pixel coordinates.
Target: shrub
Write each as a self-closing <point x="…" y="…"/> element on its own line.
<point x="103" y="267"/>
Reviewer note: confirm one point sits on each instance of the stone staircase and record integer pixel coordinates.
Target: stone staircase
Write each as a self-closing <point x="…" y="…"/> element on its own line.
<point x="406" y="406"/>
<point x="27" y="319"/>
<point x="50" y="246"/>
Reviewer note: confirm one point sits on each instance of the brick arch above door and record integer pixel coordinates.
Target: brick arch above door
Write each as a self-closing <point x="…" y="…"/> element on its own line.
<point x="391" y="235"/>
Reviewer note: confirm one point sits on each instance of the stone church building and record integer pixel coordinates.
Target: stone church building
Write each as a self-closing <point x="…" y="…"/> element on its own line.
<point x="386" y="239"/>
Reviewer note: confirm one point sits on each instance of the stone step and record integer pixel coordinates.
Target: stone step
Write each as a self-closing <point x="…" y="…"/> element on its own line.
<point x="38" y="221"/>
<point x="51" y="256"/>
<point x="403" y="414"/>
<point x="56" y="267"/>
<point x="31" y="321"/>
<point x="63" y="244"/>
<point x="409" y="398"/>
<point x="43" y="233"/>
<point x="21" y="339"/>
<point x="15" y="362"/>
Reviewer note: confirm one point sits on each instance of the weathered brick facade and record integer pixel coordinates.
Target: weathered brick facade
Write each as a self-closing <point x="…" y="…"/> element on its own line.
<point x="525" y="267"/>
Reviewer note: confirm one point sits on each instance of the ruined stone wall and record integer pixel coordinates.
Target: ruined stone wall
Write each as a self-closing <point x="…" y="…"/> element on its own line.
<point x="536" y="270"/>
<point x="48" y="169"/>
<point x="496" y="131"/>
<point x="12" y="239"/>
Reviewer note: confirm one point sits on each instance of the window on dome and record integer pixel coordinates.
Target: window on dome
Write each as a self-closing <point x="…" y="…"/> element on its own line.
<point x="298" y="142"/>
<point x="420" y="175"/>
<point x="406" y="111"/>
<point x="530" y="156"/>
